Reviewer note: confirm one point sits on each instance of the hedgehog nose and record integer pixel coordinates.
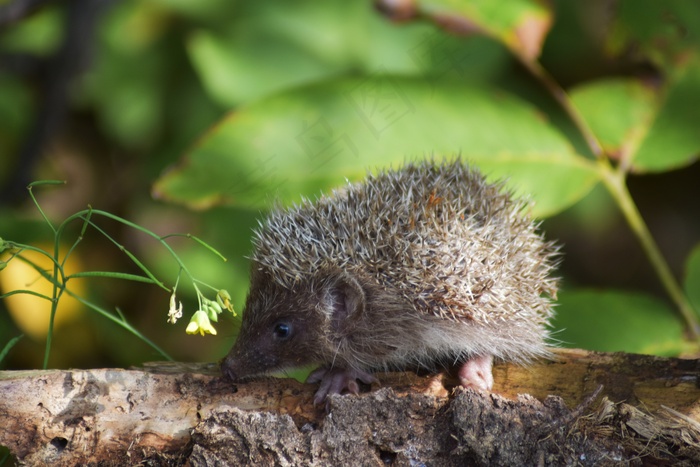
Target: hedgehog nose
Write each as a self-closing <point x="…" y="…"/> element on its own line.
<point x="228" y="371"/>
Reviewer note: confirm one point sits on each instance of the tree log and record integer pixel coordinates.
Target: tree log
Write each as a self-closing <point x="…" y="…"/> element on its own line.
<point x="175" y="414"/>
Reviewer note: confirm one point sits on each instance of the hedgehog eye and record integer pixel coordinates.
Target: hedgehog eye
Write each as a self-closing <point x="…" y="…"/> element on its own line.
<point x="282" y="330"/>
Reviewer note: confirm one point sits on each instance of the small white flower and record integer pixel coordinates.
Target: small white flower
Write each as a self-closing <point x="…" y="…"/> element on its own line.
<point x="175" y="312"/>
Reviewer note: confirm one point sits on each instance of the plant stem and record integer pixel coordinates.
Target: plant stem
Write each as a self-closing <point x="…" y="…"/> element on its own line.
<point x="559" y="94"/>
<point x="56" y="295"/>
<point x="615" y="182"/>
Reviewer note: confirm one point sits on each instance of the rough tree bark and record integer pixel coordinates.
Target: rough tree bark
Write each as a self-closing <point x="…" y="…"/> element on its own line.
<point x="175" y="414"/>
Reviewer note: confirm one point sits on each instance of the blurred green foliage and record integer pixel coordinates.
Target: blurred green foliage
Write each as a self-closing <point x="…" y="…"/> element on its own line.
<point x="227" y="107"/>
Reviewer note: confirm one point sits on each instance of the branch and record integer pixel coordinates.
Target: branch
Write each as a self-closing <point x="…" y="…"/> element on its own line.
<point x="177" y="413"/>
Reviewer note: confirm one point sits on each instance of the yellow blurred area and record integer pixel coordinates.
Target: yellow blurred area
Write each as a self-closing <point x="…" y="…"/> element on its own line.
<point x="32" y="313"/>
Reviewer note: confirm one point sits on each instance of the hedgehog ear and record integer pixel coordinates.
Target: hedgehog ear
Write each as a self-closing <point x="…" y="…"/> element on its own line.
<point x="347" y="300"/>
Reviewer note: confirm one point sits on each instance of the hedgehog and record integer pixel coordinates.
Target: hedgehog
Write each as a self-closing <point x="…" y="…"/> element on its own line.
<point x="424" y="266"/>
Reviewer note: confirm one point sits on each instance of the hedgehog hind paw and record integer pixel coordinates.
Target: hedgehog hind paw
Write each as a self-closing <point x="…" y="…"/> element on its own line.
<point x="337" y="380"/>
<point x="476" y="373"/>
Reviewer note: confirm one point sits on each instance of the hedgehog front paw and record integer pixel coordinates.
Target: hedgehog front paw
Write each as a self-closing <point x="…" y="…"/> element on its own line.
<point x="336" y="380"/>
<point x="476" y="373"/>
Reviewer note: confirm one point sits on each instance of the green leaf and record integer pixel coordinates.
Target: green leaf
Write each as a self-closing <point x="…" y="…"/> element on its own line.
<point x="236" y="71"/>
<point x="268" y="47"/>
<point x="312" y="138"/>
<point x="521" y="25"/>
<point x="612" y="321"/>
<point x="674" y="138"/>
<point x="274" y="45"/>
<point x="552" y="182"/>
<point x="692" y="278"/>
<point x="619" y="111"/>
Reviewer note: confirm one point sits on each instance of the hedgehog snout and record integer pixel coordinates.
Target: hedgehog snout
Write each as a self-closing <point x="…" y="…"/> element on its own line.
<point x="228" y="370"/>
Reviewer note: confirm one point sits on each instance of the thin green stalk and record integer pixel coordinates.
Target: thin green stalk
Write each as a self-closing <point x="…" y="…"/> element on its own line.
<point x="161" y="240"/>
<point x="58" y="290"/>
<point x="113" y="275"/>
<point x="56" y="295"/>
<point x="198" y="240"/>
<point x="199" y="295"/>
<point x="77" y="241"/>
<point x="30" y="188"/>
<point x="41" y="272"/>
<point x="8" y="347"/>
<point x="131" y="256"/>
<point x="615" y="182"/>
<point x="213" y="289"/>
<point x="145" y="231"/>
<point x="21" y="247"/>
<point x="562" y="98"/>
<point x="25" y="292"/>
